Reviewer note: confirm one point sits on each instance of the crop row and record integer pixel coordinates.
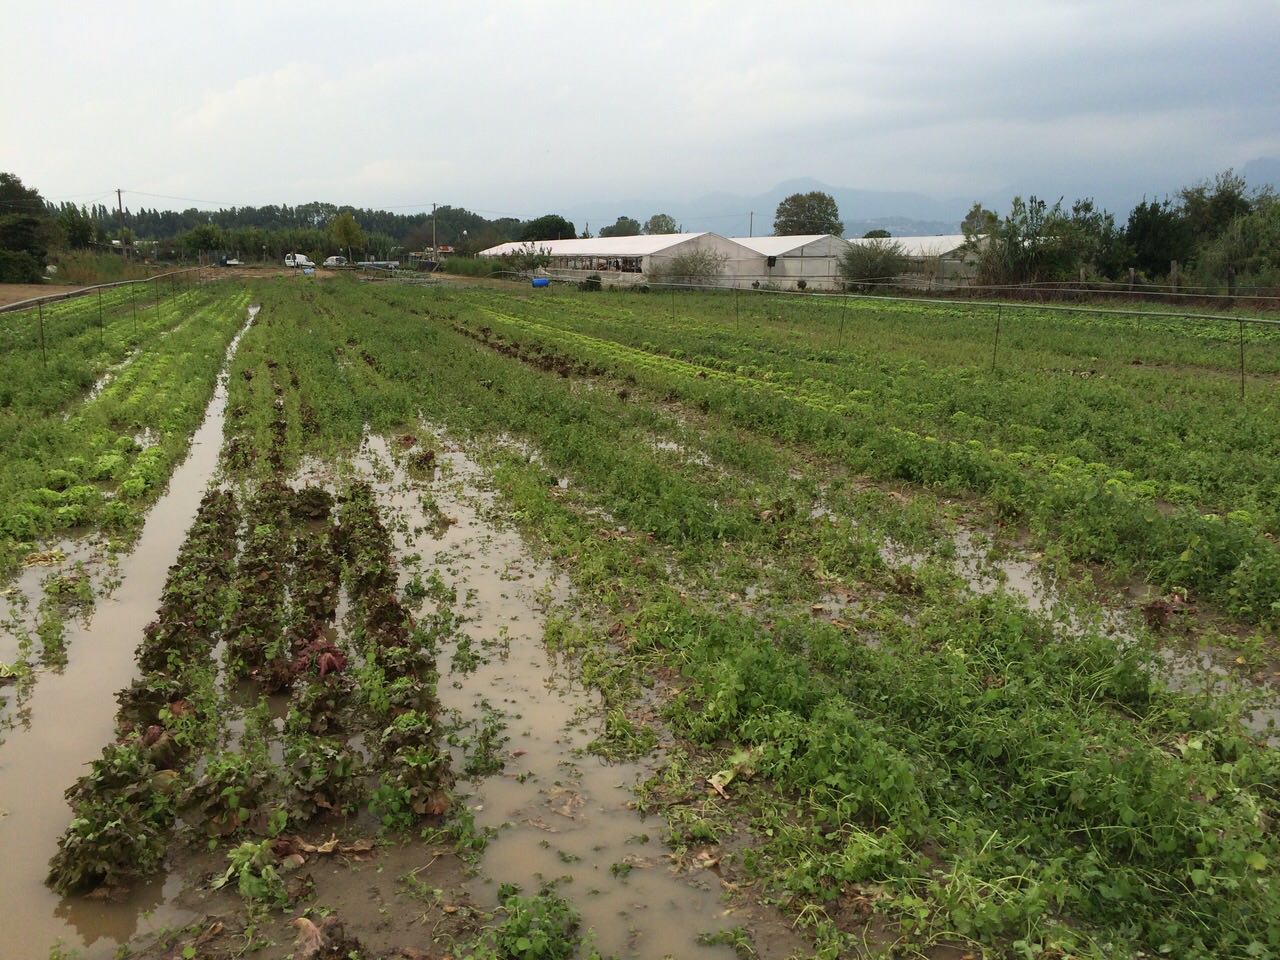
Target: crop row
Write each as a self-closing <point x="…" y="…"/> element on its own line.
<point x="101" y="463"/>
<point x="1095" y="513"/>
<point x="80" y="345"/>
<point x="266" y="592"/>
<point x="962" y="767"/>
<point x="1172" y="419"/>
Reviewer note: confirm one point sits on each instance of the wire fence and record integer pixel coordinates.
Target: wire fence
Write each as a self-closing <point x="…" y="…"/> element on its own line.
<point x="43" y="310"/>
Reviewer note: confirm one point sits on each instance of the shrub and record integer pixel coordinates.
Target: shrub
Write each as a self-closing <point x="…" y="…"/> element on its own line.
<point x="591" y="284"/>
<point x="695" y="268"/>
<point x="872" y="260"/>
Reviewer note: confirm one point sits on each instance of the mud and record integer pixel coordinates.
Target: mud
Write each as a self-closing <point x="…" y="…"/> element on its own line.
<point x="560" y="813"/>
<point x="70" y="716"/>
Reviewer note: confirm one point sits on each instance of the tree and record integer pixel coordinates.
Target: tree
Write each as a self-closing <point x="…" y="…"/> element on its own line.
<point x="346" y="233"/>
<point x="876" y="235"/>
<point x="813" y="212"/>
<point x="204" y="238"/>
<point x="877" y="259"/>
<point x="1246" y="251"/>
<point x="661" y="223"/>
<point x="622" y="227"/>
<point x="76" y="226"/>
<point x="23" y="218"/>
<point x="1103" y="248"/>
<point x="1207" y="208"/>
<point x="1033" y="242"/>
<point x="1158" y="235"/>
<point x="549" y="227"/>
<point x="978" y="222"/>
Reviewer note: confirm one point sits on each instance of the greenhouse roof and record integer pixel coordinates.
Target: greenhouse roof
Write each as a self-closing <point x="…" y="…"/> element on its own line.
<point x="781" y="246"/>
<point x="639" y="246"/>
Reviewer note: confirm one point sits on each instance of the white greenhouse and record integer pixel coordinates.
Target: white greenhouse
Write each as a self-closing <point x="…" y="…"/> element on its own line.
<point x="785" y="261"/>
<point x="627" y="261"/>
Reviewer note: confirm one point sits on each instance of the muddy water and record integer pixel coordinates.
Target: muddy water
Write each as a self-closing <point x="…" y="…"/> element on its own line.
<point x="70" y="718"/>
<point x="561" y="814"/>
<point x="1181" y="668"/>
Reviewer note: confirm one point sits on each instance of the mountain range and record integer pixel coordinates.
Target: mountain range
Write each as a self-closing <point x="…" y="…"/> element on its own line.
<point x="902" y="213"/>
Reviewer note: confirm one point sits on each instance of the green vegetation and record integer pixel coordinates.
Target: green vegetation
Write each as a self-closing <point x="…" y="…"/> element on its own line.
<point x="878" y="259"/>
<point x="995" y="776"/>
<point x="91" y="435"/>
<point x="893" y="754"/>
<point x="806" y="213"/>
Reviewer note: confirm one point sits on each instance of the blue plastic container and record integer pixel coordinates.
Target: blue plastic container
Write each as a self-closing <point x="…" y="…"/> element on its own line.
<point x="542" y="281"/>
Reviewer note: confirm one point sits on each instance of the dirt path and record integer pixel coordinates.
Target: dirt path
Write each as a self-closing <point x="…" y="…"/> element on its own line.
<point x="13" y="292"/>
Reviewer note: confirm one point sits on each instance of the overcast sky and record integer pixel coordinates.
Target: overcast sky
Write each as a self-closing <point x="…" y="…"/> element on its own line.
<point x="523" y="108"/>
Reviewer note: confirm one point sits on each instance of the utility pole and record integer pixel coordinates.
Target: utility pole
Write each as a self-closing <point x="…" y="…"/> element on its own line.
<point x="751" y="224"/>
<point x="120" y="217"/>
<point x="435" y="253"/>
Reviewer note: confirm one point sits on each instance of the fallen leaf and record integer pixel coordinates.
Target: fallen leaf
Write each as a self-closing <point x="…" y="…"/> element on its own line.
<point x="309" y="942"/>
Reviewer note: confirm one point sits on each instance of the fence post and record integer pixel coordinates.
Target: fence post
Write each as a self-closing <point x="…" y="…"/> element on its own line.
<point x="737" y="319"/>
<point x="133" y="303"/>
<point x="44" y="357"/>
<point x="996" y="345"/>
<point x="1173" y="276"/>
<point x="673" y="303"/>
<point x="1241" y="359"/>
<point x="844" y="312"/>
<point x="157" y="299"/>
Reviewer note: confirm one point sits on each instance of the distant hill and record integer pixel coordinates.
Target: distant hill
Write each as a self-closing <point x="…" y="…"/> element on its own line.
<point x="1261" y="172"/>
<point x="902" y="213"/>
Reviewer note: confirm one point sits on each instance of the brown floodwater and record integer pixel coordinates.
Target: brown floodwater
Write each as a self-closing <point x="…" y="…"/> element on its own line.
<point x="560" y="813"/>
<point x="70" y="717"/>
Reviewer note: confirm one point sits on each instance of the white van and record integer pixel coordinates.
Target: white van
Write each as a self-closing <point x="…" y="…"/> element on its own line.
<point x="297" y="260"/>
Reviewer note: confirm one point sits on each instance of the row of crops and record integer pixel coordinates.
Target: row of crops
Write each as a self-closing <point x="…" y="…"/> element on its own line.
<point x="74" y="461"/>
<point x="897" y="749"/>
<point x="1155" y="471"/>
<point x="890" y="757"/>
<point x="250" y="618"/>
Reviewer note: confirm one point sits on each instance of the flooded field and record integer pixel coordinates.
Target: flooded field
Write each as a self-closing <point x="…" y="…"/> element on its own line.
<point x="465" y="630"/>
<point x="63" y="722"/>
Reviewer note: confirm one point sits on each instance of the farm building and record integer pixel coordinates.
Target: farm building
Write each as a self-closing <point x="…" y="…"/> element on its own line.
<point x="784" y="261"/>
<point x="626" y="261"/>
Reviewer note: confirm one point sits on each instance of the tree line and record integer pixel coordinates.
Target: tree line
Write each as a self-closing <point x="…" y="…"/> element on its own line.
<point x="1214" y="233"/>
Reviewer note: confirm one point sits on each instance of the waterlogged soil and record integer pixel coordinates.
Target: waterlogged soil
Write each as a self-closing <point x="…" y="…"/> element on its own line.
<point x="69" y="715"/>
<point x="559" y="813"/>
<point x="553" y="811"/>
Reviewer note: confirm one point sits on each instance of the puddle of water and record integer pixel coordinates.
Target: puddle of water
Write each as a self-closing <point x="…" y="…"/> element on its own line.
<point x="561" y="813"/>
<point x="1181" y="669"/>
<point x="684" y="453"/>
<point x="110" y="374"/>
<point x="72" y="717"/>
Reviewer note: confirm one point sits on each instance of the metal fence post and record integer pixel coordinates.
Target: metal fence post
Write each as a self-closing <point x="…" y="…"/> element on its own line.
<point x="100" y="333"/>
<point x="44" y="357"/>
<point x="996" y="345"/>
<point x="844" y="312"/>
<point x="1241" y="359"/>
